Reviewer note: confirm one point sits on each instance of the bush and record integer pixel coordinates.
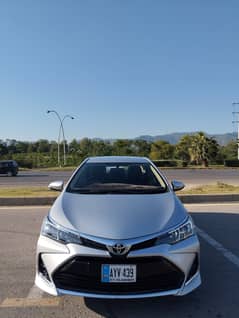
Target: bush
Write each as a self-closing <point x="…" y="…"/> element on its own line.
<point x="25" y="163"/>
<point x="231" y="163"/>
<point x="217" y="162"/>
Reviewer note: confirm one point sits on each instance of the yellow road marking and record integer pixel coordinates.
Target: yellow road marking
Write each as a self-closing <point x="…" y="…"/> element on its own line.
<point x="30" y="302"/>
<point x="211" y="204"/>
<point x="24" y="207"/>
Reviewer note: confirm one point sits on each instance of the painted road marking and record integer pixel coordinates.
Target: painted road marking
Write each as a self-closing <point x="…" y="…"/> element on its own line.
<point x="33" y="299"/>
<point x="23" y="207"/>
<point x="219" y="247"/>
<point x="30" y="302"/>
<point x="211" y="204"/>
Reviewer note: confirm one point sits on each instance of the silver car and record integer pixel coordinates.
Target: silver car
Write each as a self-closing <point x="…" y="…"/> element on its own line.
<point x="117" y="230"/>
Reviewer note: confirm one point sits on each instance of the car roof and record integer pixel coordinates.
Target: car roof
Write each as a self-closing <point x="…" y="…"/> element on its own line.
<point x="115" y="159"/>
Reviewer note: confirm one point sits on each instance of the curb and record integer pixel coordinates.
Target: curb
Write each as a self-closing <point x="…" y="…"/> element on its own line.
<point x="185" y="198"/>
<point x="208" y="198"/>
<point x="27" y="201"/>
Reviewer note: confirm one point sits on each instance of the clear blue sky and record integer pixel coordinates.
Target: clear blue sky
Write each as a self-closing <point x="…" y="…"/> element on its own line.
<point x="124" y="68"/>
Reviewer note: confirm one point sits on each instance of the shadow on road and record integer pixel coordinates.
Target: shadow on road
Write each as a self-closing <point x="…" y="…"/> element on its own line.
<point x="216" y="297"/>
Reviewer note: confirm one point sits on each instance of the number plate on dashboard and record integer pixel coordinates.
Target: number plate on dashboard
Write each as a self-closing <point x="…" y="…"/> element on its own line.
<point x="118" y="273"/>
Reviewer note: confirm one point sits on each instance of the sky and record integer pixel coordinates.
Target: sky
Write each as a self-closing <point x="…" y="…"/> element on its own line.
<point x="122" y="68"/>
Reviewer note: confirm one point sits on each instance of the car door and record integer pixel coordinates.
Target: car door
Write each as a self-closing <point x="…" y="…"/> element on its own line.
<point x="1" y="168"/>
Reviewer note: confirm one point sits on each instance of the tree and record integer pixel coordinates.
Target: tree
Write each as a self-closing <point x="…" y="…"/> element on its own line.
<point x="101" y="148"/>
<point x="3" y="148"/>
<point x="21" y="146"/>
<point x="11" y="145"/>
<point x="123" y="147"/>
<point x="229" y="151"/>
<point x="161" y="149"/>
<point x="203" y="149"/>
<point x="182" y="150"/>
<point x="86" y="147"/>
<point x="53" y="147"/>
<point x="74" y="146"/>
<point x="43" y="146"/>
<point x="213" y="149"/>
<point x="141" y="147"/>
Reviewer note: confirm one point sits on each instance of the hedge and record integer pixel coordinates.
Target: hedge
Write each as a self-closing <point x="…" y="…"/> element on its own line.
<point x="170" y="163"/>
<point x="231" y="163"/>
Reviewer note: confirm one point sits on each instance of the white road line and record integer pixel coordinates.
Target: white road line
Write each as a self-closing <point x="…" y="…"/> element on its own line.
<point x="219" y="247"/>
<point x="35" y="293"/>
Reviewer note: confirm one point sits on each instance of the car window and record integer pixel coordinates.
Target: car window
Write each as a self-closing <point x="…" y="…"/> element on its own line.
<point x="3" y="164"/>
<point x="117" y="178"/>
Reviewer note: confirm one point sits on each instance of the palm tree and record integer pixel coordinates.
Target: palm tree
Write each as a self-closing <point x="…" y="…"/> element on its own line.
<point x="199" y="149"/>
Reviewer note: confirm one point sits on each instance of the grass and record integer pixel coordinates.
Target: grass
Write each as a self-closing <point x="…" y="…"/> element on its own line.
<point x="27" y="192"/>
<point x="218" y="188"/>
<point x="68" y="168"/>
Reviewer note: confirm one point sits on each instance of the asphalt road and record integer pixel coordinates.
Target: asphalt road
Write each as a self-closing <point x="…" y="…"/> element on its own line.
<point x="217" y="297"/>
<point x="191" y="177"/>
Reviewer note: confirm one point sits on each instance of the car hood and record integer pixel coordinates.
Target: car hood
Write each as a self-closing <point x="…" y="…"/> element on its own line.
<point x="120" y="216"/>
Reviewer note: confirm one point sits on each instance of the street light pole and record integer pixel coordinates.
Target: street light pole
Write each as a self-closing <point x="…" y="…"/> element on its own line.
<point x="236" y="121"/>
<point x="58" y="143"/>
<point x="59" y="135"/>
<point x="64" y="139"/>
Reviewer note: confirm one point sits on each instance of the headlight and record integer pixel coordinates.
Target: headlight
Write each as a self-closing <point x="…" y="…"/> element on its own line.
<point x="179" y="234"/>
<point x="59" y="233"/>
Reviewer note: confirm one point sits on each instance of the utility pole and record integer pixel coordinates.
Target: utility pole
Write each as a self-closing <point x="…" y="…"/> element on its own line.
<point x="235" y="114"/>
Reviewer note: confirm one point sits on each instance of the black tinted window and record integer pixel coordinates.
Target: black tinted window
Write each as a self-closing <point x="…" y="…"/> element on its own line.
<point x="117" y="176"/>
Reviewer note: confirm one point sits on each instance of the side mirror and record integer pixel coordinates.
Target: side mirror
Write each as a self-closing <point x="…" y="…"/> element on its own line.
<point x="56" y="186"/>
<point x="177" y="185"/>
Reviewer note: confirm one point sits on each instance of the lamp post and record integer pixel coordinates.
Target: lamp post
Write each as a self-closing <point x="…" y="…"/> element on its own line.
<point x="236" y="121"/>
<point x="59" y="135"/>
<point x="64" y="139"/>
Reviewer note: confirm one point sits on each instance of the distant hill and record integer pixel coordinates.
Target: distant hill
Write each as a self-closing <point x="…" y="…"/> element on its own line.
<point x="174" y="138"/>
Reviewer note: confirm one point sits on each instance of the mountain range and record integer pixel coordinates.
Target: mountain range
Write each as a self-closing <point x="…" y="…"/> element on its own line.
<point x="174" y="138"/>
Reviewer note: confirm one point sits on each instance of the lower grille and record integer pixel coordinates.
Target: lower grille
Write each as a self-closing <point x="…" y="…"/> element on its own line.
<point x="83" y="274"/>
<point x="194" y="268"/>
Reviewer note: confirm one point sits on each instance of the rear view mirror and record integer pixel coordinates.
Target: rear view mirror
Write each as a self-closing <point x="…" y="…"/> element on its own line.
<point x="177" y="185"/>
<point x="56" y="186"/>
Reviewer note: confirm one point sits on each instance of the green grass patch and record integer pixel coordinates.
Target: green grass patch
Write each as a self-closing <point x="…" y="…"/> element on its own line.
<point x="218" y="188"/>
<point x="67" y="168"/>
<point x="17" y="192"/>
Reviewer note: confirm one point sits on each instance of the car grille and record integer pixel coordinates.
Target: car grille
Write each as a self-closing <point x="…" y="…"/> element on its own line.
<point x="100" y="246"/>
<point x="83" y="274"/>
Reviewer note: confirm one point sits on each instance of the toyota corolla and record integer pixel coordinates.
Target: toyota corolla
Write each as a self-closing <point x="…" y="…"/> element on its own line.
<point x="117" y="230"/>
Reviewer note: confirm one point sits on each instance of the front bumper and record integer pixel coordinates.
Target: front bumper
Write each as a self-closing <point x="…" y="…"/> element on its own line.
<point x="182" y="258"/>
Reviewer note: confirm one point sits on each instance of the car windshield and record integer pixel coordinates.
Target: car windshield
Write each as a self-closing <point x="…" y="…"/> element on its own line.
<point x="118" y="178"/>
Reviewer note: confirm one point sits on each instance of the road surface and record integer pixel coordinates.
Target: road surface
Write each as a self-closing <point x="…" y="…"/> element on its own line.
<point x="217" y="297"/>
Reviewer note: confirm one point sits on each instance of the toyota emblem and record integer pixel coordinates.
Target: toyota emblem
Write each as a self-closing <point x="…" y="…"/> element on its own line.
<point x="118" y="249"/>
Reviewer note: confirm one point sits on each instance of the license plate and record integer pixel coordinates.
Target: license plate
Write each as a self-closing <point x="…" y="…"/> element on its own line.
<point x="118" y="273"/>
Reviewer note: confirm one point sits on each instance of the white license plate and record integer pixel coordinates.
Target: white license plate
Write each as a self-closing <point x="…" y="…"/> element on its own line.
<point x="118" y="273"/>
